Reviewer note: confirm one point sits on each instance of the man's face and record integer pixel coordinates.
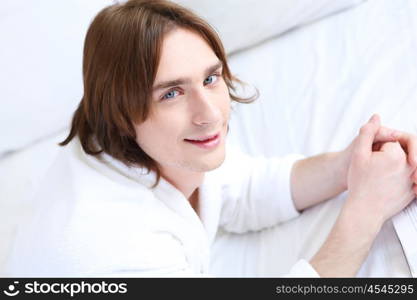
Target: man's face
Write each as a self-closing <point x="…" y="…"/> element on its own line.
<point x="187" y="126"/>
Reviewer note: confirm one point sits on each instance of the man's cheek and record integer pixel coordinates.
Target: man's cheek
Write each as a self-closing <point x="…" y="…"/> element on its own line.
<point x="227" y="112"/>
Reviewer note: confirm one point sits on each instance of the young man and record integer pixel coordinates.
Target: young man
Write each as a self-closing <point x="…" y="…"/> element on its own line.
<point x="144" y="181"/>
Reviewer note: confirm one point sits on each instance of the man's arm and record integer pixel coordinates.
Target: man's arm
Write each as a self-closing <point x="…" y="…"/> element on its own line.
<point x="318" y="178"/>
<point x="347" y="245"/>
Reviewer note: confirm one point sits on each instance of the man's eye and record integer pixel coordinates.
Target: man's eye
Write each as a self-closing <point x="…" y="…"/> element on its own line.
<point x="211" y="79"/>
<point x="171" y="94"/>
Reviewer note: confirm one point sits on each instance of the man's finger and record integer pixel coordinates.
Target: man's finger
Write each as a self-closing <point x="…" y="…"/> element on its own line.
<point x="414" y="176"/>
<point x="377" y="146"/>
<point x="375" y="119"/>
<point x="366" y="137"/>
<point x="414" y="187"/>
<point x="392" y="147"/>
<point x="409" y="144"/>
<point x="384" y="135"/>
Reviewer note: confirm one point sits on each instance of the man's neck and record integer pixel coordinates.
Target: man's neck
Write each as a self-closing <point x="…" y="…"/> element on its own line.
<point x="185" y="181"/>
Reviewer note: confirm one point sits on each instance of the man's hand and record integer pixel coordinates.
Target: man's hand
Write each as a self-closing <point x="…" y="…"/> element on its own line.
<point x="379" y="182"/>
<point x="384" y="135"/>
<point x="328" y="172"/>
<point x="379" y="186"/>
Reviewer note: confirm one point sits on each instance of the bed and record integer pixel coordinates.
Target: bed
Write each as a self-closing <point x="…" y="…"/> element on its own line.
<point x="321" y="74"/>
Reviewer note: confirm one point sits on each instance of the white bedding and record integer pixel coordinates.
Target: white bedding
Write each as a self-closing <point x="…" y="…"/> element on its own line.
<point x="318" y="84"/>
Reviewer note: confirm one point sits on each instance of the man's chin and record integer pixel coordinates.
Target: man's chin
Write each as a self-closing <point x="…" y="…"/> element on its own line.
<point x="216" y="165"/>
<point x="209" y="164"/>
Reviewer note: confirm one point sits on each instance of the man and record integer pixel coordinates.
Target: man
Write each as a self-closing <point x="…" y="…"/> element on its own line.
<point x="144" y="181"/>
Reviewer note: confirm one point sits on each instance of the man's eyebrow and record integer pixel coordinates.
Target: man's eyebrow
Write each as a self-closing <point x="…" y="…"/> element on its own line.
<point x="213" y="68"/>
<point x="180" y="81"/>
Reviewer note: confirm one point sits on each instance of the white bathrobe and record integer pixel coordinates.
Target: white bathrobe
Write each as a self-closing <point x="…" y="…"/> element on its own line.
<point x="99" y="218"/>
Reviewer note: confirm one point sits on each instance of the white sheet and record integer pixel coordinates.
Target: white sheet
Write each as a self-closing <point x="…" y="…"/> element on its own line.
<point x="318" y="85"/>
<point x="405" y="225"/>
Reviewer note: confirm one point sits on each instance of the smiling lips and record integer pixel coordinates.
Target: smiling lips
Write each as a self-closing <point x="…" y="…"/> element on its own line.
<point x="207" y="142"/>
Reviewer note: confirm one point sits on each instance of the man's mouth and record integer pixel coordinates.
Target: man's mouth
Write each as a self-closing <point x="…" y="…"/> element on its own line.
<point x="206" y="142"/>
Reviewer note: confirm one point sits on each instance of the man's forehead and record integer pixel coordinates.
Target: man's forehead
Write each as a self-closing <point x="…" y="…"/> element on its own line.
<point x="182" y="77"/>
<point x="184" y="53"/>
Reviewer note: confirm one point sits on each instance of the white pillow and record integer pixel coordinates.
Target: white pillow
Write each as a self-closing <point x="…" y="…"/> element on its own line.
<point x="41" y="66"/>
<point x="243" y="23"/>
<point x="41" y="56"/>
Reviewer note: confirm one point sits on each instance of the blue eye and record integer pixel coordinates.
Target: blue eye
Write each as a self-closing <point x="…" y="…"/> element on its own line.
<point x="170" y="94"/>
<point x="210" y="79"/>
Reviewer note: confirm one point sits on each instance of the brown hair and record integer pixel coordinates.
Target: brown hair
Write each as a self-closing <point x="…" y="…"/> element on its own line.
<point x="121" y="56"/>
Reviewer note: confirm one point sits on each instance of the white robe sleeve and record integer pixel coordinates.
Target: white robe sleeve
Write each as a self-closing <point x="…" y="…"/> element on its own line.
<point x="256" y="191"/>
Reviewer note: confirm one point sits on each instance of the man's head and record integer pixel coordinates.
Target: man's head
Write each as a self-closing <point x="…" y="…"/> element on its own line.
<point x="187" y="124"/>
<point x="156" y="81"/>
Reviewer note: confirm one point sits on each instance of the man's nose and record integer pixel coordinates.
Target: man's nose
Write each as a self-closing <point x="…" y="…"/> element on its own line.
<point x="205" y="108"/>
